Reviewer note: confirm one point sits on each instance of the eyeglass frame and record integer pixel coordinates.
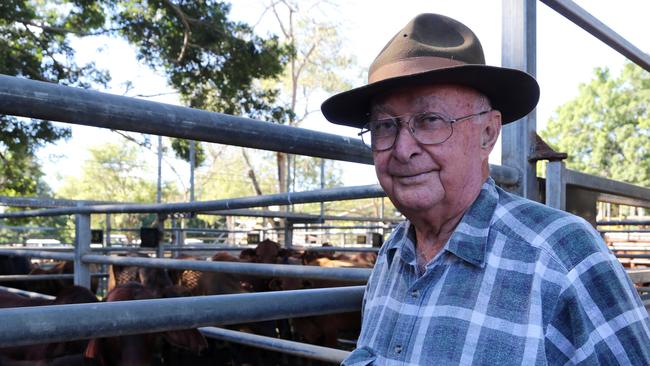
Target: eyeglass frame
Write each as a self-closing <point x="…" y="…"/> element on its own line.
<point x="399" y="121"/>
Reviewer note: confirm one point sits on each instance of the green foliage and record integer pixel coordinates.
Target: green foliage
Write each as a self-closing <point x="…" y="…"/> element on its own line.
<point x="33" y="45"/>
<point x="211" y="61"/>
<point x="116" y="173"/>
<point x="307" y="176"/>
<point x="226" y="174"/>
<point x="182" y="149"/>
<point x="214" y="63"/>
<point x="606" y="128"/>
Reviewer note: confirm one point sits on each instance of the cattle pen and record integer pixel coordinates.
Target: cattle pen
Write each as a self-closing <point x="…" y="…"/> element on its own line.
<point x="563" y="189"/>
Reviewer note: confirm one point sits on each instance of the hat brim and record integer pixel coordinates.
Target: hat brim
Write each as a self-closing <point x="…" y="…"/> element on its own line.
<point x="513" y="92"/>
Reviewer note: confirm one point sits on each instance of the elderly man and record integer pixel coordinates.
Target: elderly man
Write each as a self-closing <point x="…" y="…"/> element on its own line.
<point x="475" y="276"/>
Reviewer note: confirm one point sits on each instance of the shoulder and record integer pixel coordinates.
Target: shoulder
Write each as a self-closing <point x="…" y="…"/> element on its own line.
<point x="565" y="237"/>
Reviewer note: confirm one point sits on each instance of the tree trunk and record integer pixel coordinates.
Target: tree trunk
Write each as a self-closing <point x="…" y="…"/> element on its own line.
<point x="282" y="172"/>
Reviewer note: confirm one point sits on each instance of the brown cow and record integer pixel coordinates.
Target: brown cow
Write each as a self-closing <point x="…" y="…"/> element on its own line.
<point x="53" y="287"/>
<point x="210" y="283"/>
<point x="139" y="349"/>
<point x="325" y="330"/>
<point x="15" y="265"/>
<point x="62" y="352"/>
<point x="154" y="279"/>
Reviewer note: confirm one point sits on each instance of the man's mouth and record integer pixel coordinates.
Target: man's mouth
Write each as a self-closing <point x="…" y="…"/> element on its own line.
<point x="414" y="177"/>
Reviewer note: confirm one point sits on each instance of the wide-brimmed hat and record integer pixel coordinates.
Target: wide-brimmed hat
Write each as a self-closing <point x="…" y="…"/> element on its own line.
<point x="435" y="49"/>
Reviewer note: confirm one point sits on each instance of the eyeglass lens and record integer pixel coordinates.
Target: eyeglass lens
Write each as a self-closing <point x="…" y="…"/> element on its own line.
<point x="427" y="128"/>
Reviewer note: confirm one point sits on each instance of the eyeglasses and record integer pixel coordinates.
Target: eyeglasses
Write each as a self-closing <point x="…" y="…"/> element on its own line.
<point x="428" y="128"/>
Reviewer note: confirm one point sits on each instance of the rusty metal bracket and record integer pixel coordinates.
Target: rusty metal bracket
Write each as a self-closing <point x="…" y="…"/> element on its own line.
<point x="541" y="151"/>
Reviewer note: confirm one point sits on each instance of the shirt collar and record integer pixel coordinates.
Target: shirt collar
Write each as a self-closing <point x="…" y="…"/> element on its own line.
<point x="469" y="240"/>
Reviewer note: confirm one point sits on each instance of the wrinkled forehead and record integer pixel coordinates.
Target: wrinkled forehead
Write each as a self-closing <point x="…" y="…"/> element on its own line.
<point x="446" y="98"/>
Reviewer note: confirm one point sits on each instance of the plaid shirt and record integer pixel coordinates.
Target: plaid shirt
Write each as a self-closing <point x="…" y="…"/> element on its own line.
<point x="518" y="283"/>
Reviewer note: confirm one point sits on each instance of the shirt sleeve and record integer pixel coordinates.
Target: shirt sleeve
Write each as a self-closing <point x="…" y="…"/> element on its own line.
<point x="599" y="318"/>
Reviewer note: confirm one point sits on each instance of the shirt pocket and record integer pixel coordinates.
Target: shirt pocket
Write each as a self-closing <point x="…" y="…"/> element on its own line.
<point x="363" y="356"/>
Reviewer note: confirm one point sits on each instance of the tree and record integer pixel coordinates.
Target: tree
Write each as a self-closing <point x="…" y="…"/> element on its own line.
<point x="33" y="45"/>
<point x="316" y="63"/>
<point x="116" y="173"/>
<point x="606" y="128"/>
<point x="214" y="63"/>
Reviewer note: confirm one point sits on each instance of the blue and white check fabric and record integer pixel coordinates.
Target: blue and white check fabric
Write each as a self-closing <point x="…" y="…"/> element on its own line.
<point x="518" y="283"/>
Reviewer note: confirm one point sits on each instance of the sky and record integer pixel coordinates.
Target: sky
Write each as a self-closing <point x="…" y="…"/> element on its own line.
<point x="566" y="57"/>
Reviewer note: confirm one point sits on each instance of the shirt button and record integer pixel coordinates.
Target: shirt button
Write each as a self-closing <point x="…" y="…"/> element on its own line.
<point x="398" y="349"/>
<point x="415" y="293"/>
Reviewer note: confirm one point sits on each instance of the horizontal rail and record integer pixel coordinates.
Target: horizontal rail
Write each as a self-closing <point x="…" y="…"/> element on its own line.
<point x="315" y="227"/>
<point x="31" y="325"/>
<point x="598" y="29"/>
<point x="44" y="202"/>
<point x="278" y="345"/>
<point x="207" y="248"/>
<point x="627" y="255"/>
<point x="31" y="295"/>
<point x="38" y="254"/>
<point x="30" y="228"/>
<point x="289" y="198"/>
<point x="39" y="249"/>
<point x="338" y="249"/>
<point x="639" y="275"/>
<point x="300" y="216"/>
<point x="36" y="99"/>
<point x="623" y="223"/>
<point x="253" y="269"/>
<point x="43" y="277"/>
<point x="607" y="186"/>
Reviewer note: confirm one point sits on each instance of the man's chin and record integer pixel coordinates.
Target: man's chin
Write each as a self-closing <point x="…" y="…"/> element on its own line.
<point x="414" y="204"/>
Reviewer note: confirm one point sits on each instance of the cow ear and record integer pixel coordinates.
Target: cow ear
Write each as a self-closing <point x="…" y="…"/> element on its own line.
<point x="190" y="339"/>
<point x="94" y="352"/>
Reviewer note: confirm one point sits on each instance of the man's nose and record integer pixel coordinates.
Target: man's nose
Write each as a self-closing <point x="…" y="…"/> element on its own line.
<point x="405" y="146"/>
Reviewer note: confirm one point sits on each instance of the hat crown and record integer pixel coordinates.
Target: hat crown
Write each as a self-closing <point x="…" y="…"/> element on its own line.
<point x="431" y="35"/>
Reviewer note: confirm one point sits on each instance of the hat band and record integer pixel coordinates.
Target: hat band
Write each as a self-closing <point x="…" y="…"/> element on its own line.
<point x="412" y="65"/>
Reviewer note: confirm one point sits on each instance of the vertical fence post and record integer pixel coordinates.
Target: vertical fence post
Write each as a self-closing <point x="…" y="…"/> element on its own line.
<point x="160" y="248"/>
<point x="288" y="233"/>
<point x="82" y="247"/>
<point x="192" y="165"/>
<point x="108" y="230"/>
<point x="519" y="52"/>
<point x="556" y="185"/>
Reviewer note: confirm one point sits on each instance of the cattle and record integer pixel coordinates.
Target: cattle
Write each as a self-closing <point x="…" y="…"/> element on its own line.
<point x="325" y="330"/>
<point x="63" y="353"/>
<point x="51" y="287"/>
<point x="210" y="283"/>
<point x="140" y="349"/>
<point x="15" y="265"/>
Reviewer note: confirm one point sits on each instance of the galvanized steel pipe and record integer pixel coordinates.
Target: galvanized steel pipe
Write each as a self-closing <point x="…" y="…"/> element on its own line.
<point x="42" y="277"/>
<point x="38" y="254"/>
<point x="278" y="345"/>
<point x="253" y="269"/>
<point x="598" y="29"/>
<point x="31" y="325"/>
<point x="36" y="99"/>
<point x="288" y="198"/>
<point x="30" y="294"/>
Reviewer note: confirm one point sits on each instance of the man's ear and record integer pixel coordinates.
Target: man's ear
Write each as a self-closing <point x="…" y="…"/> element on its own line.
<point x="490" y="133"/>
